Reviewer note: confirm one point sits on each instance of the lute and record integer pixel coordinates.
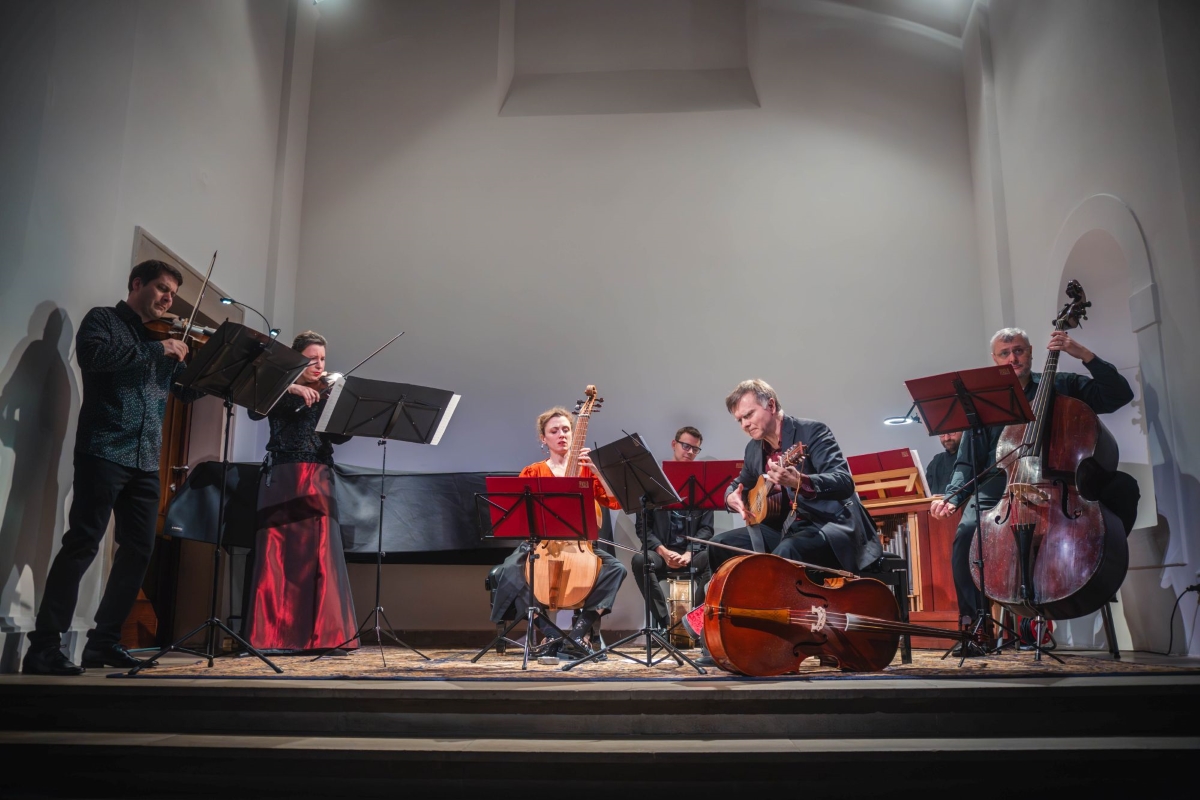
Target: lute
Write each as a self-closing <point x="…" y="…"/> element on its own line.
<point x="761" y="504"/>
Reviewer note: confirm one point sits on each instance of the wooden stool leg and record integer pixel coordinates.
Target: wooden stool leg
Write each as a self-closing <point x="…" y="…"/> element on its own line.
<point x="906" y="639"/>
<point x="1110" y="630"/>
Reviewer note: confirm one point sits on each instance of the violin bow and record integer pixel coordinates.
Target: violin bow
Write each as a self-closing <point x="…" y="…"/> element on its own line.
<point x="187" y="328"/>
<point x="368" y="358"/>
<point x="818" y="567"/>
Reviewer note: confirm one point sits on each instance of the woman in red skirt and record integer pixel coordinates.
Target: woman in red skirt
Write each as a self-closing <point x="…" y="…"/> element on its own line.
<point x="300" y="597"/>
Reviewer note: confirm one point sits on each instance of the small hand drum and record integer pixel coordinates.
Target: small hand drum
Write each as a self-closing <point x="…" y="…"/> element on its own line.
<point x="679" y="603"/>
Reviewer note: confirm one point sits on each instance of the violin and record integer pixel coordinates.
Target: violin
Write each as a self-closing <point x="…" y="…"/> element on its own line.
<point x="170" y="326"/>
<point x="763" y="615"/>
<point x="564" y="572"/>
<point x="1049" y="547"/>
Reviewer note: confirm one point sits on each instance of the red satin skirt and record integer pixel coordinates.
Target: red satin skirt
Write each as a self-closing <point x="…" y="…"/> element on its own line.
<point x="300" y="599"/>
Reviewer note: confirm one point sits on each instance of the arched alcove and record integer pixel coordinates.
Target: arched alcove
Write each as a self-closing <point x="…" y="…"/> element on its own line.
<point x="1101" y="244"/>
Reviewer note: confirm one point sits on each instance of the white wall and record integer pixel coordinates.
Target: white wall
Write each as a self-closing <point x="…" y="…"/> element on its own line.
<point x="823" y="241"/>
<point x="1097" y="99"/>
<point x="118" y="114"/>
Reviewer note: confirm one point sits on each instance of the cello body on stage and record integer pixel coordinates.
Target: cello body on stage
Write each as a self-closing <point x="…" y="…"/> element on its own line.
<point x="1049" y="547"/>
<point x="764" y="616"/>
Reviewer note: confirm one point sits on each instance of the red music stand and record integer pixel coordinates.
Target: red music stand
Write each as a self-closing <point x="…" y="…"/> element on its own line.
<point x="535" y="509"/>
<point x="551" y="506"/>
<point x="701" y="484"/>
<point x="973" y="400"/>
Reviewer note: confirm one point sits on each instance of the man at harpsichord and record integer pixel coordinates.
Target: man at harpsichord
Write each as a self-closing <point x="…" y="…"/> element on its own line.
<point x="814" y="515"/>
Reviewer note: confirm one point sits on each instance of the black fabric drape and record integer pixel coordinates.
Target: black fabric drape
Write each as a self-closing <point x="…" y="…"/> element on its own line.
<point x="427" y="518"/>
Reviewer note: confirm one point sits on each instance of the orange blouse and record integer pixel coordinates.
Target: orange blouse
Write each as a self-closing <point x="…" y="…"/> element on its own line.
<point x="541" y="469"/>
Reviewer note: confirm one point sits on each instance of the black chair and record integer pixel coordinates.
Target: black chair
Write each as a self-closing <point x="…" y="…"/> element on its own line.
<point x="490" y="583"/>
<point x="892" y="569"/>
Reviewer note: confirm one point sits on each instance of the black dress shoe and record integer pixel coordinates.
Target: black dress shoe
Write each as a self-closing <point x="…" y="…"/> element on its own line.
<point x="49" y="662"/>
<point x="113" y="655"/>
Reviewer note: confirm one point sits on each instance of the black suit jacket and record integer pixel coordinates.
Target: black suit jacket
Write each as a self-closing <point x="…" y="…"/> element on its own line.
<point x="660" y="527"/>
<point x="835" y="509"/>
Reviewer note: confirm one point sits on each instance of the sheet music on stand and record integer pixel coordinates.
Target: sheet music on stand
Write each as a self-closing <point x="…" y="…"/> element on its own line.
<point x="399" y="411"/>
<point x="244" y="365"/>
<point x="385" y="411"/>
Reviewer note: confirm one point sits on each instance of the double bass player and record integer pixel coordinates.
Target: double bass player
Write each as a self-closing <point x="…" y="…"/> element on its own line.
<point x="1105" y="391"/>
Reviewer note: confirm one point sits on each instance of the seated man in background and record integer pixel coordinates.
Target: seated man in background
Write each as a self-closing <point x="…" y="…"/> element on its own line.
<point x="666" y="529"/>
<point x="941" y="466"/>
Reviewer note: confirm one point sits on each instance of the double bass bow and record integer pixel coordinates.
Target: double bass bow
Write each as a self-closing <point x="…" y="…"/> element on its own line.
<point x="1049" y="547"/>
<point x="763" y="615"/>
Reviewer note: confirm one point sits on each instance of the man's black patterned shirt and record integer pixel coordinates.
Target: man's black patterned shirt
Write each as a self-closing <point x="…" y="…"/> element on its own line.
<point x="126" y="378"/>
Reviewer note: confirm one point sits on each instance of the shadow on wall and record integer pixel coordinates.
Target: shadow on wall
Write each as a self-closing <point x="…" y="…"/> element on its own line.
<point x="1148" y="608"/>
<point x="37" y="401"/>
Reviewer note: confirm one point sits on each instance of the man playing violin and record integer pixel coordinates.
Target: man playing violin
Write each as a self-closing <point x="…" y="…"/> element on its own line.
<point x="1104" y="392"/>
<point x="818" y="518"/>
<point x="126" y="377"/>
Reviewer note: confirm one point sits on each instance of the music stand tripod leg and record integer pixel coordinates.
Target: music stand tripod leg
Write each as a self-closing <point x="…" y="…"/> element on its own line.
<point x="533" y="612"/>
<point x="378" y="612"/>
<point x="213" y="624"/>
<point x="651" y="633"/>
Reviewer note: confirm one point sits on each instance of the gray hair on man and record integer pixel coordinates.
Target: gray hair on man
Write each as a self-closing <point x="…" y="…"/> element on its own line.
<point x="762" y="392"/>
<point x="1006" y="335"/>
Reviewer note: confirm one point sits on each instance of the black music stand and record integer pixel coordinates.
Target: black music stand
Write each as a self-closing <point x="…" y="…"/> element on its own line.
<point x="637" y="482"/>
<point x="382" y="410"/>
<point x="246" y="368"/>
<point x="536" y="516"/>
<point x="973" y="400"/>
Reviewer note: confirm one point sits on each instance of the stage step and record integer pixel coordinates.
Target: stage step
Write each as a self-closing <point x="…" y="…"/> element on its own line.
<point x="127" y="764"/>
<point x="876" y="709"/>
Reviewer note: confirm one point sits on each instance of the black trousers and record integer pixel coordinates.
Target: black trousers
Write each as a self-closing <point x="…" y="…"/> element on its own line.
<point x="969" y="598"/>
<point x="804" y="542"/>
<point x="659" y="572"/>
<point x="512" y="591"/>
<point x="102" y="489"/>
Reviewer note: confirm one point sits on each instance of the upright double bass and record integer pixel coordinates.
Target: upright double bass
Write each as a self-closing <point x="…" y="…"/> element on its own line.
<point x="1049" y="547"/>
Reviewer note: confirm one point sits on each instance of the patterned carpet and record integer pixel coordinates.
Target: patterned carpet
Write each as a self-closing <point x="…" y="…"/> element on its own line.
<point x="397" y="663"/>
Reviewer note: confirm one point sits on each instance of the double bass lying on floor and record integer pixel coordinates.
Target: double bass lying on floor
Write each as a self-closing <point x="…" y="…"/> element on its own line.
<point x="763" y="616"/>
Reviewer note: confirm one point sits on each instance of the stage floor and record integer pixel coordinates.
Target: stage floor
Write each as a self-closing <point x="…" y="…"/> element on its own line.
<point x="401" y="664"/>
